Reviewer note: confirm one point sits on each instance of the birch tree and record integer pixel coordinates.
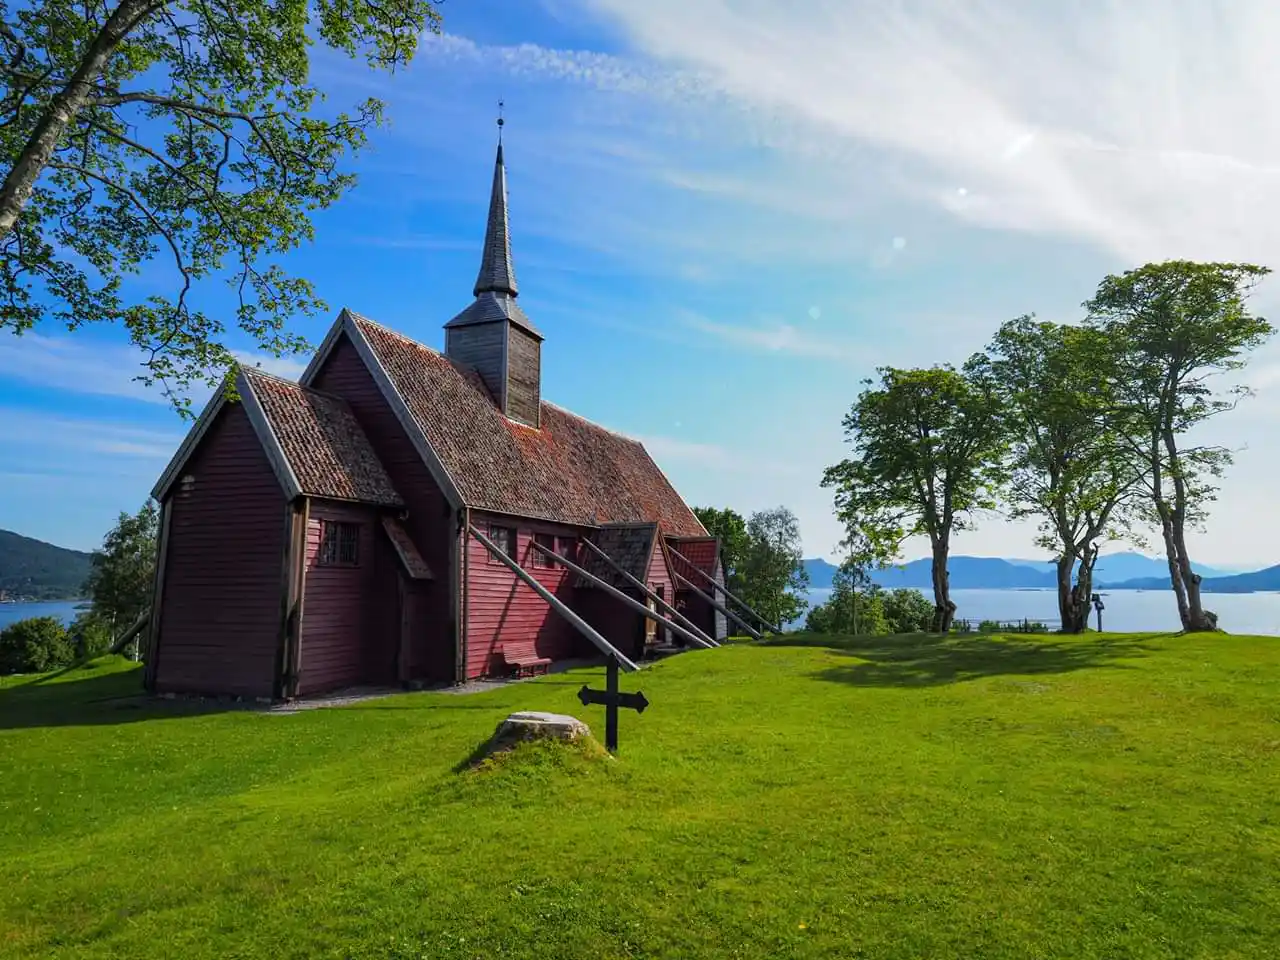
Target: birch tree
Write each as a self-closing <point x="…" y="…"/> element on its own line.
<point x="185" y="131"/>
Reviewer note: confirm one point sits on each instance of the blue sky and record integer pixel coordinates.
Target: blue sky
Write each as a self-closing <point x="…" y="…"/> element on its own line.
<point x="725" y="215"/>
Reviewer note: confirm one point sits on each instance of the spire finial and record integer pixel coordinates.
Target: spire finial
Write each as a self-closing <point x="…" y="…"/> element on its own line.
<point x="500" y="122"/>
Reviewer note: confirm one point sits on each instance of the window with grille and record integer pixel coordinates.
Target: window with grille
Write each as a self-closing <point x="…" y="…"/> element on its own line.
<point x="504" y="538"/>
<point x="547" y="542"/>
<point x="339" y="544"/>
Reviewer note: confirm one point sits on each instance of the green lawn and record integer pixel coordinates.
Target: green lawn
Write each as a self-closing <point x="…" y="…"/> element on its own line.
<point x="1106" y="796"/>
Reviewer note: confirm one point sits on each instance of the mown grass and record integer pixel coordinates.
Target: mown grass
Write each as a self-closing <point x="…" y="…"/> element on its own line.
<point x="1105" y="796"/>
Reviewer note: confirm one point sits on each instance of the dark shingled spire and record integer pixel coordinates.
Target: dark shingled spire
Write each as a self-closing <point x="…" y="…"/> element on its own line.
<point x="497" y="270"/>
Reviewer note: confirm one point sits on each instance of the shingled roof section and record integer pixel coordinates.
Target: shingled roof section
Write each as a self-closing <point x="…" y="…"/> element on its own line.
<point x="698" y="551"/>
<point x="322" y="442"/>
<point x="629" y="546"/>
<point x="570" y="470"/>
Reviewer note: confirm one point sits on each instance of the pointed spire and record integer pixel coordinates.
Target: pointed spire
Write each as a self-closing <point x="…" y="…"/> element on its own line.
<point x="497" y="270"/>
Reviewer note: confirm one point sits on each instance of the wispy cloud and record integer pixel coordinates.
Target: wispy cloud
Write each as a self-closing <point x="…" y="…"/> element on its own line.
<point x="35" y="436"/>
<point x="779" y="338"/>
<point x="75" y="365"/>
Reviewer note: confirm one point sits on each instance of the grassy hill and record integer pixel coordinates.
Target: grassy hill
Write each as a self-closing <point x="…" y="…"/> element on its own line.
<point x="1104" y="796"/>
<point x="39" y="570"/>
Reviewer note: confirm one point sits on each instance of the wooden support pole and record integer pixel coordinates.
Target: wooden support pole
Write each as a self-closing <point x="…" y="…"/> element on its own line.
<point x="613" y="591"/>
<point x="674" y="613"/>
<point x="556" y="604"/>
<point x="716" y="585"/>
<point x="751" y="631"/>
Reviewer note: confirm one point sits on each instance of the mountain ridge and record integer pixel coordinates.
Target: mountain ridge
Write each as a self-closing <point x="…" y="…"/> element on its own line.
<point x="32" y="569"/>
<point x="1117" y="571"/>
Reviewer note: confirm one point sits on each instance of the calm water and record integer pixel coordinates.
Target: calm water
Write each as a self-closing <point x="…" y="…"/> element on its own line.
<point x="1252" y="613"/>
<point x="1256" y="613"/>
<point x="64" y="610"/>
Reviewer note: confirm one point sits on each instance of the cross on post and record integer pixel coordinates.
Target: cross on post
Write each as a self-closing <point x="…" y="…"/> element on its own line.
<point x="611" y="698"/>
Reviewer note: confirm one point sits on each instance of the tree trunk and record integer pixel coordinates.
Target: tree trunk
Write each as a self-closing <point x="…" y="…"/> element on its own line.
<point x="1082" y="593"/>
<point x="1195" y="618"/>
<point x="62" y="109"/>
<point x="944" y="610"/>
<point x="1066" y="563"/>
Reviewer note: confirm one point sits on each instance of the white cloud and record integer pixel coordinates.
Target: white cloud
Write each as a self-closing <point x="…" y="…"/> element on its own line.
<point x="75" y="365"/>
<point x="780" y="338"/>
<point x="37" y="437"/>
<point x="288" y="367"/>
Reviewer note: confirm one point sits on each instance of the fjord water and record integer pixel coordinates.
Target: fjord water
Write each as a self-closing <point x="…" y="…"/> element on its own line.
<point x="1137" y="610"/>
<point x="1126" y="610"/>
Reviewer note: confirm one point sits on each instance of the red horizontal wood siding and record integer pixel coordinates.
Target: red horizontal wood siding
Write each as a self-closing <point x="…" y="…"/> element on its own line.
<point x="502" y="609"/>
<point x="339" y="630"/>
<point x="430" y="520"/>
<point x="220" y="619"/>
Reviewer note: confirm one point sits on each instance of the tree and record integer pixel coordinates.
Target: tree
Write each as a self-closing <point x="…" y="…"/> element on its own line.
<point x="731" y="527"/>
<point x="927" y="453"/>
<point x="1067" y="465"/>
<point x="773" y="572"/>
<point x="906" y="610"/>
<point x="189" y="131"/>
<point x="854" y="608"/>
<point x="1172" y="327"/>
<point x="124" y="569"/>
<point x="34" y="645"/>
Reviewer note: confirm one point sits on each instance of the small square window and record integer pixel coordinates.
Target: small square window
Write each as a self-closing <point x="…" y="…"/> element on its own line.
<point x="504" y="538"/>
<point x="339" y="544"/>
<point x="547" y="542"/>
<point x="567" y="547"/>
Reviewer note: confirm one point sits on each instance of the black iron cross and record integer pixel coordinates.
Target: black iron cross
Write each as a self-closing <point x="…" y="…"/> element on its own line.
<point x="611" y="698"/>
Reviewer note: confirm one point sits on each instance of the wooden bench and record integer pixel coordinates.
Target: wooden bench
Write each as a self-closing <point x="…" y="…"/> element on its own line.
<point x="523" y="659"/>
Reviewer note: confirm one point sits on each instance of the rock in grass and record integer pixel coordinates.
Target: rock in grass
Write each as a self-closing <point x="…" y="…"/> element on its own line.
<point x="529" y="726"/>
<point x="536" y="725"/>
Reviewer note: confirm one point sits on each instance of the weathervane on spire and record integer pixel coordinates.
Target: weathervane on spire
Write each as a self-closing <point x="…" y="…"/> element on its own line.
<point x="500" y="123"/>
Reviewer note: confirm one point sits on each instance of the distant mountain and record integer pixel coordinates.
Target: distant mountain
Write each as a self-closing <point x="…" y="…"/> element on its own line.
<point x="35" y="570"/>
<point x="1259" y="580"/>
<point x="1113" y="570"/>
<point x="1129" y="566"/>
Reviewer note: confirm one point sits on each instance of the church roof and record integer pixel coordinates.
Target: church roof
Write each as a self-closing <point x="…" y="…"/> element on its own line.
<point x="630" y="545"/>
<point x="569" y="470"/>
<point x="312" y="440"/>
<point x="322" y="442"/>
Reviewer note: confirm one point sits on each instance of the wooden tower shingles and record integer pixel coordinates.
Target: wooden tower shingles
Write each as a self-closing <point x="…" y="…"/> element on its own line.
<point x="493" y="335"/>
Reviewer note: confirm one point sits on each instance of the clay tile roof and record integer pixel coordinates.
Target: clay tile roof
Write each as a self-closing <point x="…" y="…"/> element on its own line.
<point x="322" y="442"/>
<point x="570" y="471"/>
<point x="700" y="552"/>
<point x="630" y="546"/>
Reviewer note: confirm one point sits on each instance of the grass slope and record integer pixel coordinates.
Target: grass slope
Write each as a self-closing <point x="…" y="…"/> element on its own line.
<point x="1105" y="796"/>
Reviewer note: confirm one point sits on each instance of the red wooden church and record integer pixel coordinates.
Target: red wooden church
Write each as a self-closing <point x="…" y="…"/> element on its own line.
<point x="385" y="519"/>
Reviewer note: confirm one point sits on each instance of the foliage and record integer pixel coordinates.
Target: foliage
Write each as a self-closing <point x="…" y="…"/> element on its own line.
<point x="34" y="645"/>
<point x="124" y="569"/>
<point x="1067" y="465"/>
<point x="1099" y="797"/>
<point x="1172" y="328"/>
<point x="40" y="571"/>
<point x="926" y="457"/>
<point x="1015" y="626"/>
<point x="188" y="132"/>
<point x="90" y="635"/>
<point x="854" y="608"/>
<point x="906" y="610"/>
<point x="731" y="527"/>
<point x="773" y="573"/>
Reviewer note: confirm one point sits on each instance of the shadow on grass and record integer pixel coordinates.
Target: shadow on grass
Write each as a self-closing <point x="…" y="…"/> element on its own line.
<point x="91" y="696"/>
<point x="923" y="660"/>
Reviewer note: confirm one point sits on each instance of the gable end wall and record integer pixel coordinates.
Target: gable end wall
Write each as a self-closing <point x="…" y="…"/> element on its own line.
<point x="220" y="618"/>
